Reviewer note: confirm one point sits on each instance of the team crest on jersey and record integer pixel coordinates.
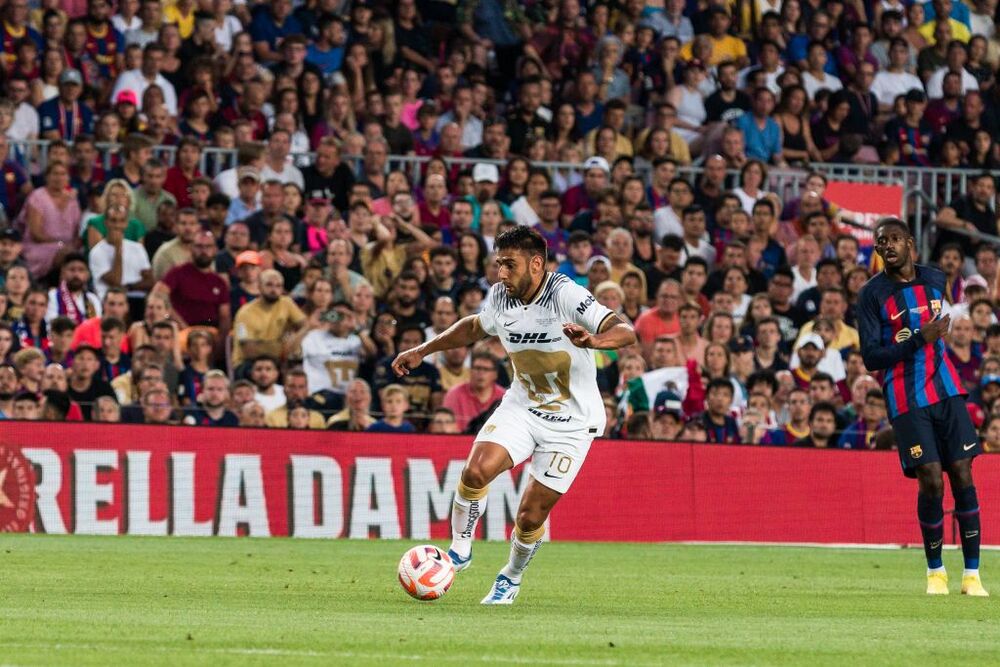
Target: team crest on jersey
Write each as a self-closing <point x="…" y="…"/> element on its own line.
<point x="916" y="451"/>
<point x="903" y="335"/>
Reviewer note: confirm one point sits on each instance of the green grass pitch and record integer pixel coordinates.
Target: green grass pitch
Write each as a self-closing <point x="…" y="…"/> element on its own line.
<point x="131" y="601"/>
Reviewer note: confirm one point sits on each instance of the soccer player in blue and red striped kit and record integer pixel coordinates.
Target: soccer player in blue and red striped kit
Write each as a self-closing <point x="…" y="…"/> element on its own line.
<point x="901" y="330"/>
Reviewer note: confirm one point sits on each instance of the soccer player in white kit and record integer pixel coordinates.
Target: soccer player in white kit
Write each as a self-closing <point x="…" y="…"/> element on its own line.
<point x="553" y="409"/>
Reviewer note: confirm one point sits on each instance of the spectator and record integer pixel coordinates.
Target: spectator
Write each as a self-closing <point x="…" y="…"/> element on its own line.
<point x="117" y="262"/>
<point x="395" y="403"/>
<point x="199" y="295"/>
<point x="296" y="394"/>
<point x="822" y="427"/>
<point x="471" y="399"/>
<point x="261" y="325"/>
<point x="85" y="383"/>
<point x="356" y="415"/>
<point x="157" y="408"/>
<point x="179" y="250"/>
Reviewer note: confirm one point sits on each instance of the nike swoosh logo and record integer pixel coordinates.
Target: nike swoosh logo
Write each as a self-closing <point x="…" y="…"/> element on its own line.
<point x="935" y="545"/>
<point x="507" y="324"/>
<point x="971" y="534"/>
<point x="897" y="315"/>
<point x="968" y="447"/>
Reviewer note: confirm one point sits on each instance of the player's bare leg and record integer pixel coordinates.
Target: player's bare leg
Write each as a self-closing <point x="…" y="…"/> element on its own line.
<point x="967" y="514"/>
<point x="930" y="513"/>
<point x="529" y="526"/>
<point x="485" y="462"/>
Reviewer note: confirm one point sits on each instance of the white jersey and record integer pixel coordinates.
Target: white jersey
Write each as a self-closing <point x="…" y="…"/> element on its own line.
<point x="330" y="363"/>
<point x="554" y="380"/>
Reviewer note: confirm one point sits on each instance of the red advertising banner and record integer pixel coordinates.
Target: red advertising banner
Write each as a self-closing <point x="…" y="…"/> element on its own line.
<point x="139" y="480"/>
<point x="868" y="202"/>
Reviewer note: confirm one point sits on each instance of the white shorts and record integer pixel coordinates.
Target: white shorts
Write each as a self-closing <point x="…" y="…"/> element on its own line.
<point x="556" y="456"/>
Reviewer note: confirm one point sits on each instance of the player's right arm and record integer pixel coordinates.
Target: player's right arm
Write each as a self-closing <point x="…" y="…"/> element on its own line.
<point x="879" y="356"/>
<point x="465" y="332"/>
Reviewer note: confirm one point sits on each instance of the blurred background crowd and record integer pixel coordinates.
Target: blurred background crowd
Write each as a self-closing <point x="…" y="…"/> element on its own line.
<point x="221" y="213"/>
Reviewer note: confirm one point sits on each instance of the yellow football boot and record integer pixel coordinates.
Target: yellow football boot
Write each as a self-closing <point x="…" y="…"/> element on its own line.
<point x="937" y="583"/>
<point x="971" y="585"/>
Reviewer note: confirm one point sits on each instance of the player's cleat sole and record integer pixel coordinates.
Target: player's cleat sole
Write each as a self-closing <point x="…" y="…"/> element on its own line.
<point x="459" y="562"/>
<point x="503" y="592"/>
<point x="937" y="583"/>
<point x="972" y="585"/>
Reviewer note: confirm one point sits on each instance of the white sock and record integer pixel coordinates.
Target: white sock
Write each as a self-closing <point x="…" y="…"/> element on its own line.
<point x="936" y="569"/>
<point x="972" y="573"/>
<point x="464" y="517"/>
<point x="520" y="555"/>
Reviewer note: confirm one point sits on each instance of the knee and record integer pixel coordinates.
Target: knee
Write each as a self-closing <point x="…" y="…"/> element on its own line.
<point x="932" y="485"/>
<point x="960" y="475"/>
<point x="531" y="518"/>
<point x="475" y="475"/>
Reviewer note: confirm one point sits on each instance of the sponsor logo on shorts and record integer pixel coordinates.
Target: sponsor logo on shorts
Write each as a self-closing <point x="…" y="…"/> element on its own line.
<point x="549" y="418"/>
<point x="17" y="491"/>
<point x="532" y="337"/>
<point x="585" y="304"/>
<point x="968" y="446"/>
<point x="916" y="451"/>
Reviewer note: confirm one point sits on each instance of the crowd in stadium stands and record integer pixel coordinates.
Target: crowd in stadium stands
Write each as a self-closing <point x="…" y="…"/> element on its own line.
<point x="275" y="291"/>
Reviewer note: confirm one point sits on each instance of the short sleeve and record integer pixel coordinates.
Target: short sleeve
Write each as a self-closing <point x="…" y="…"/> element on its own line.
<point x="487" y="313"/>
<point x="580" y="306"/>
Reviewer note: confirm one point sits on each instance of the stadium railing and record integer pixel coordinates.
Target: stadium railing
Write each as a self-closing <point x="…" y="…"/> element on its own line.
<point x="937" y="185"/>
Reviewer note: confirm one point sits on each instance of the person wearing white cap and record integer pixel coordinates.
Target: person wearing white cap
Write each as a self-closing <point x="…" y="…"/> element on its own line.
<point x="486" y="177"/>
<point x="596" y="177"/>
<point x="63" y="117"/>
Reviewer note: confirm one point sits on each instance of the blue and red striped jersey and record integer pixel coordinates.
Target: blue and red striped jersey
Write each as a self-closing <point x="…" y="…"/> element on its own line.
<point x="890" y="315"/>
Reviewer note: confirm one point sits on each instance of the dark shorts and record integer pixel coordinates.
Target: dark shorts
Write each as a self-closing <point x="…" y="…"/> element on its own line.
<point x="941" y="433"/>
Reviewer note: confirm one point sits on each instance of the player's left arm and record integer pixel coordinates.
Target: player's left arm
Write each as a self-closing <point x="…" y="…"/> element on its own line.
<point x="612" y="333"/>
<point x="588" y="323"/>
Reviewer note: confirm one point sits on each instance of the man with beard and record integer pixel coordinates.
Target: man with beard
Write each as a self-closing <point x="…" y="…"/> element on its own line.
<point x="104" y="43"/>
<point x="71" y="298"/>
<point x="405" y="296"/>
<point x="296" y="389"/>
<point x="178" y="250"/>
<point x="198" y="295"/>
<point x="328" y="177"/>
<point x="84" y="383"/>
<point x="260" y="326"/>
<point x="272" y="199"/>
<point x="213" y="399"/>
<point x="496" y="143"/>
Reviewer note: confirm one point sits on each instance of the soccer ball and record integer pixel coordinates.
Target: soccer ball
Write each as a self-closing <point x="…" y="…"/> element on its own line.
<point x="426" y="572"/>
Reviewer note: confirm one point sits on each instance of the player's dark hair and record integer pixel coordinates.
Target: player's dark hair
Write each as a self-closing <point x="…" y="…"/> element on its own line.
<point x="822" y="406"/>
<point x="891" y="221"/>
<point x="524" y="239"/>
<point x="720" y="383"/>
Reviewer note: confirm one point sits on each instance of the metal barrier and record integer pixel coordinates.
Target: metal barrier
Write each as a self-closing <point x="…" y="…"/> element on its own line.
<point x="940" y="186"/>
